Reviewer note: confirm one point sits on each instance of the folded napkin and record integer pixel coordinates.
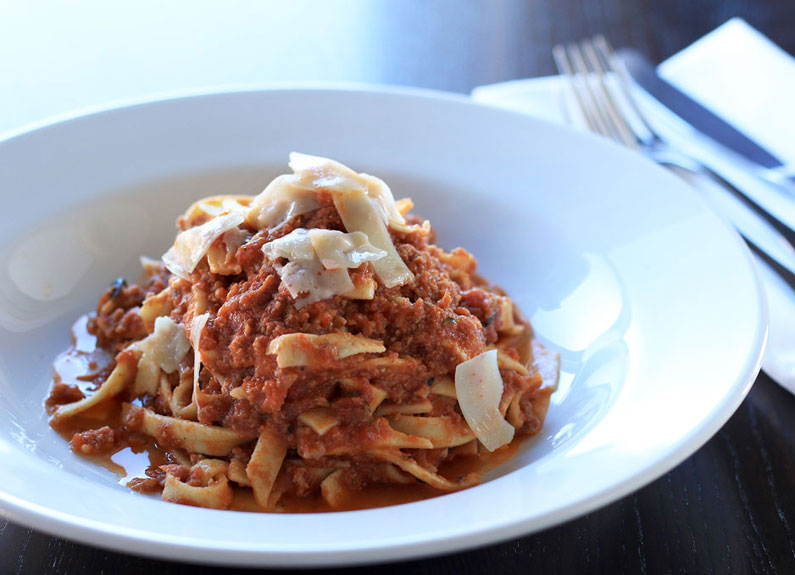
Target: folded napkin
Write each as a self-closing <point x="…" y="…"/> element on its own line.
<point x="733" y="60"/>
<point x="745" y="79"/>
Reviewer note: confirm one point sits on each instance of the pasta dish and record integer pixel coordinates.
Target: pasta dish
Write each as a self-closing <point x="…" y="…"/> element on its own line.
<point x="309" y="343"/>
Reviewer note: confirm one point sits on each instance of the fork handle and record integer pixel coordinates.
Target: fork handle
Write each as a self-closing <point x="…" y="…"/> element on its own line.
<point x="783" y="229"/>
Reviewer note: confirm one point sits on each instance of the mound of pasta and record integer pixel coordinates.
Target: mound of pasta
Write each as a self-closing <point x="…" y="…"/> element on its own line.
<point x="310" y="344"/>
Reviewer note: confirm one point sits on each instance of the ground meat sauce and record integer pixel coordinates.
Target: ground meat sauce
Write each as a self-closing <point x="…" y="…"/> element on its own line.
<point x="412" y="321"/>
<point x="62" y="393"/>
<point x="97" y="441"/>
<point x="446" y="315"/>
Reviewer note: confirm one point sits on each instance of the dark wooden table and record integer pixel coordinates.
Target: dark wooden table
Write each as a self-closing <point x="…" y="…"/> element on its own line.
<point x="730" y="508"/>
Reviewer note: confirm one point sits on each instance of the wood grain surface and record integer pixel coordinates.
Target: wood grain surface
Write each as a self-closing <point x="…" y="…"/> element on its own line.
<point x="729" y="508"/>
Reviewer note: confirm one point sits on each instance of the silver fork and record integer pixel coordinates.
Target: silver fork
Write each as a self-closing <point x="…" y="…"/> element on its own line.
<point x="586" y="67"/>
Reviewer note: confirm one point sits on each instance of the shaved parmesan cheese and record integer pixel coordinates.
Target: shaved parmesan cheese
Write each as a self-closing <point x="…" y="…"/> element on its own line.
<point x="318" y="262"/>
<point x="332" y="176"/>
<point x="479" y="387"/>
<point x="335" y="249"/>
<point x="295" y="246"/>
<point x="338" y="250"/>
<point x="292" y="195"/>
<point x="365" y="204"/>
<point x="166" y="345"/>
<point x="191" y="245"/>
<point x="309" y="278"/>
<point x="298" y="349"/>
<point x="284" y="198"/>
<point x="235" y="238"/>
<point x="163" y="349"/>
<point x="359" y="214"/>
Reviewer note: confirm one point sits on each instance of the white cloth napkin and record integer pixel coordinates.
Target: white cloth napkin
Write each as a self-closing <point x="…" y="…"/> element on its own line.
<point x="745" y="79"/>
<point x="750" y="82"/>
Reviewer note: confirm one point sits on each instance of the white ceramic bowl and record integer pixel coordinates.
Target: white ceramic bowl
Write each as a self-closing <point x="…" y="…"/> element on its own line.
<point x="652" y="301"/>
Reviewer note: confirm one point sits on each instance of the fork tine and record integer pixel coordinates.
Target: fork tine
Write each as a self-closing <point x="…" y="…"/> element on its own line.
<point x="563" y="65"/>
<point x="581" y="70"/>
<point x="614" y="65"/>
<point x="621" y="128"/>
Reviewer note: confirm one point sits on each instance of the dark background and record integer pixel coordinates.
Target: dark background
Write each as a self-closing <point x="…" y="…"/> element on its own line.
<point x="730" y="508"/>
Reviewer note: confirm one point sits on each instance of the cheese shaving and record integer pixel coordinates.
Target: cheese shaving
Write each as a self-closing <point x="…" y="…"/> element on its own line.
<point x="291" y="195"/>
<point x="191" y="245"/>
<point x="319" y="261"/>
<point x="308" y="277"/>
<point x="284" y="198"/>
<point x="163" y="349"/>
<point x="358" y="213"/>
<point x="294" y="246"/>
<point x="479" y="388"/>
<point x="322" y="173"/>
<point x="365" y="204"/>
<point x="166" y="345"/>
<point x="338" y="250"/>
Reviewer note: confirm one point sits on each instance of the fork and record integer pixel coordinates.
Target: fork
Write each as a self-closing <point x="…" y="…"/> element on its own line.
<point x="586" y="66"/>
